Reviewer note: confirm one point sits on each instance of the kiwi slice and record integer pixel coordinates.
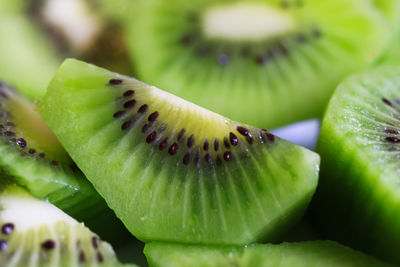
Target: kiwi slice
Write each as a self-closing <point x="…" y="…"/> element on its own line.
<point x="28" y="60"/>
<point x="172" y="170"/>
<point x="267" y="63"/>
<point x="36" y="233"/>
<point x="31" y="155"/>
<point x="307" y="254"/>
<point x="358" y="195"/>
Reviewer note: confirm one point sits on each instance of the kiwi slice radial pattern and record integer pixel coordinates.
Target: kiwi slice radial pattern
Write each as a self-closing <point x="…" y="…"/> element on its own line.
<point x="358" y="199"/>
<point x="264" y="62"/>
<point x="36" y="233"/>
<point x="172" y="170"/>
<point x="302" y="254"/>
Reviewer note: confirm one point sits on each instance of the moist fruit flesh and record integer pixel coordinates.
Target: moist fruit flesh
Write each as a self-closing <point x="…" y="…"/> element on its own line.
<point x="307" y="254"/>
<point x="267" y="63"/>
<point x="172" y="170"/>
<point x="36" y="233"/>
<point x="358" y="198"/>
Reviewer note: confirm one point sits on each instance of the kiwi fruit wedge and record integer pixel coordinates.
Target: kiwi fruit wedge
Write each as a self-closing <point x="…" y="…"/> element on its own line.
<point x="357" y="200"/>
<point x="267" y="63"/>
<point x="172" y="170"/>
<point x="36" y="233"/>
<point x="301" y="254"/>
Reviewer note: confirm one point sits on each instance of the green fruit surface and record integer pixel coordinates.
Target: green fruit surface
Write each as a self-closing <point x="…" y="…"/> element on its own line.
<point x="171" y="51"/>
<point x="358" y="198"/>
<point x="303" y="254"/>
<point x="162" y="194"/>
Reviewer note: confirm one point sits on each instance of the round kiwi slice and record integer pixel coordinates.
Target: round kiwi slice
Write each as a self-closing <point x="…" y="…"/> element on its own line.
<point x="36" y="233"/>
<point x="267" y="63"/>
<point x="358" y="195"/>
<point x="302" y="254"/>
<point x="172" y="170"/>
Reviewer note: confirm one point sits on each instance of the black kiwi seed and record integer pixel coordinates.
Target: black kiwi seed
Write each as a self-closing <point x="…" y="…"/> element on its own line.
<point x="143" y="108"/>
<point x="82" y="257"/>
<point x="186" y="158"/>
<point x="187" y="39"/>
<point x="249" y="138"/>
<point x="207" y="158"/>
<point x="9" y="123"/>
<point x="387" y="102"/>
<point x="42" y="155"/>
<point x="190" y="141"/>
<point x="223" y="59"/>
<point x="128" y="93"/>
<point x="181" y="135"/>
<point x="206" y="145"/>
<point x="100" y="257"/>
<point x="95" y="242"/>
<point x="151" y="137"/>
<point x="153" y="116"/>
<point x="3" y="245"/>
<point x="9" y="133"/>
<point x="115" y="81"/>
<point x="233" y="138"/>
<point x="130" y="104"/>
<point x="227" y="156"/>
<point x="392" y="139"/>
<point x="301" y="38"/>
<point x="3" y="94"/>
<point x="242" y="130"/>
<point x="173" y="149"/>
<point x="216" y="144"/>
<point x="21" y="142"/>
<point x="32" y="151"/>
<point x="7" y="228"/>
<point x="163" y="144"/>
<point x="226" y="142"/>
<point x="126" y="124"/>
<point x="119" y="114"/>
<point x="145" y="127"/>
<point x="54" y="163"/>
<point x="316" y="33"/>
<point x="48" y="245"/>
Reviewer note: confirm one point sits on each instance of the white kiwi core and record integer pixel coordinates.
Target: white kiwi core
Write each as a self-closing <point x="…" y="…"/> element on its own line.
<point x="27" y="213"/>
<point x="246" y="22"/>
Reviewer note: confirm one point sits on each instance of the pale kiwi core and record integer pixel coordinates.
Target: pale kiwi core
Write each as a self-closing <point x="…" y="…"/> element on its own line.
<point x="246" y="22"/>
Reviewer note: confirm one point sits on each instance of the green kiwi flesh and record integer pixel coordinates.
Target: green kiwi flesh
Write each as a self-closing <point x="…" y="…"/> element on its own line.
<point x="302" y="254"/>
<point x="36" y="233"/>
<point x="31" y="156"/>
<point x="280" y="74"/>
<point x="28" y="60"/>
<point x="172" y="170"/>
<point x="358" y="197"/>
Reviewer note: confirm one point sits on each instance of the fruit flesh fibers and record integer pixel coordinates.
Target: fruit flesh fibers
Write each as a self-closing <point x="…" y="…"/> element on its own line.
<point x="249" y="188"/>
<point x="302" y="254"/>
<point x="359" y="188"/>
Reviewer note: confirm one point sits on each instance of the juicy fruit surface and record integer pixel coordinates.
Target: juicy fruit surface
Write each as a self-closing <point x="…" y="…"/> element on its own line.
<point x="172" y="170"/>
<point x="31" y="155"/>
<point x="307" y="254"/>
<point x="36" y="233"/>
<point x="359" y="143"/>
<point x="268" y="80"/>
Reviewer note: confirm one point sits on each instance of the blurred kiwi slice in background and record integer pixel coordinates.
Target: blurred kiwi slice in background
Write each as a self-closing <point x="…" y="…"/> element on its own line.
<point x="36" y="233"/>
<point x="300" y="254"/>
<point x="358" y="197"/>
<point x="39" y="34"/>
<point x="267" y="63"/>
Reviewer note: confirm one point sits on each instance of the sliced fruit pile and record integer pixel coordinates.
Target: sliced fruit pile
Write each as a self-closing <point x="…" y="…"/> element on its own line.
<point x="199" y="188"/>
